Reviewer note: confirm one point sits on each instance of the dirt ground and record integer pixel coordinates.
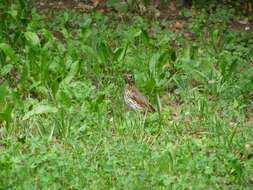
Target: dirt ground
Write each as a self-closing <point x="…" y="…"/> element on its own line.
<point x="170" y="11"/>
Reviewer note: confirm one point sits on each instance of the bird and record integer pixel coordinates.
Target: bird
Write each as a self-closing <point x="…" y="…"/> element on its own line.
<point x="133" y="97"/>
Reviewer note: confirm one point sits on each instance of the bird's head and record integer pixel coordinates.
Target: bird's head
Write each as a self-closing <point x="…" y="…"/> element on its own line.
<point x="129" y="78"/>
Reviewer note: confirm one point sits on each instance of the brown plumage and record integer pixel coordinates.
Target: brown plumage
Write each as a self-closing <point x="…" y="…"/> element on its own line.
<point x="134" y="98"/>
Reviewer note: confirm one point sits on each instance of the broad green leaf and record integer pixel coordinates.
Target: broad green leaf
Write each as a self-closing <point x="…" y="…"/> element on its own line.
<point x="111" y="3"/>
<point x="104" y="51"/>
<point x="138" y="33"/>
<point x="67" y="80"/>
<point x="145" y="36"/>
<point x="74" y="68"/>
<point x="91" y="53"/>
<point x="165" y="161"/>
<point x="164" y="57"/>
<point x="152" y="63"/>
<point x="187" y="53"/>
<point x="173" y="55"/>
<point x="6" y="69"/>
<point x="13" y="11"/>
<point x="40" y="109"/>
<point x="8" y="51"/>
<point x="6" y="115"/>
<point x="123" y="53"/>
<point x="63" y="95"/>
<point x="86" y="34"/>
<point x="3" y="93"/>
<point x="159" y="105"/>
<point x="32" y="38"/>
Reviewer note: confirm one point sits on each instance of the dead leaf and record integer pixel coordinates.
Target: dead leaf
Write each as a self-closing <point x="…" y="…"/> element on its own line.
<point x="157" y="13"/>
<point x="157" y="3"/>
<point x="41" y="4"/>
<point x="84" y="7"/>
<point x="187" y="35"/>
<point x="179" y="25"/>
<point x="172" y="6"/>
<point x="245" y="21"/>
<point x="142" y="8"/>
<point x="249" y="121"/>
<point x="95" y="2"/>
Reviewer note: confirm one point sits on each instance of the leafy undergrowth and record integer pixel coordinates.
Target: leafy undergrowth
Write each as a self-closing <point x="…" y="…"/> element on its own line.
<point x="63" y="122"/>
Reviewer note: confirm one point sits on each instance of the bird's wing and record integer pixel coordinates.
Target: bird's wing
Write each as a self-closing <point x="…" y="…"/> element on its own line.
<point x="140" y="99"/>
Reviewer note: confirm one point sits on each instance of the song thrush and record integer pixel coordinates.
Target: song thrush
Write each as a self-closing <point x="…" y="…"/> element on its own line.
<point x="134" y="98"/>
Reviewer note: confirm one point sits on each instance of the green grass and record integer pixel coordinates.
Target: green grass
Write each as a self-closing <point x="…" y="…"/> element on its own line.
<point x="63" y="122"/>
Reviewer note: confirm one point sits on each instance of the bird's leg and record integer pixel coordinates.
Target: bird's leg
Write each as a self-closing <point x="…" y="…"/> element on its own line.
<point x="140" y="118"/>
<point x="144" y="119"/>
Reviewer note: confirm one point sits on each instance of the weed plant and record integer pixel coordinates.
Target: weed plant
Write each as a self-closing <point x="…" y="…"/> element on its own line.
<point x="63" y="122"/>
